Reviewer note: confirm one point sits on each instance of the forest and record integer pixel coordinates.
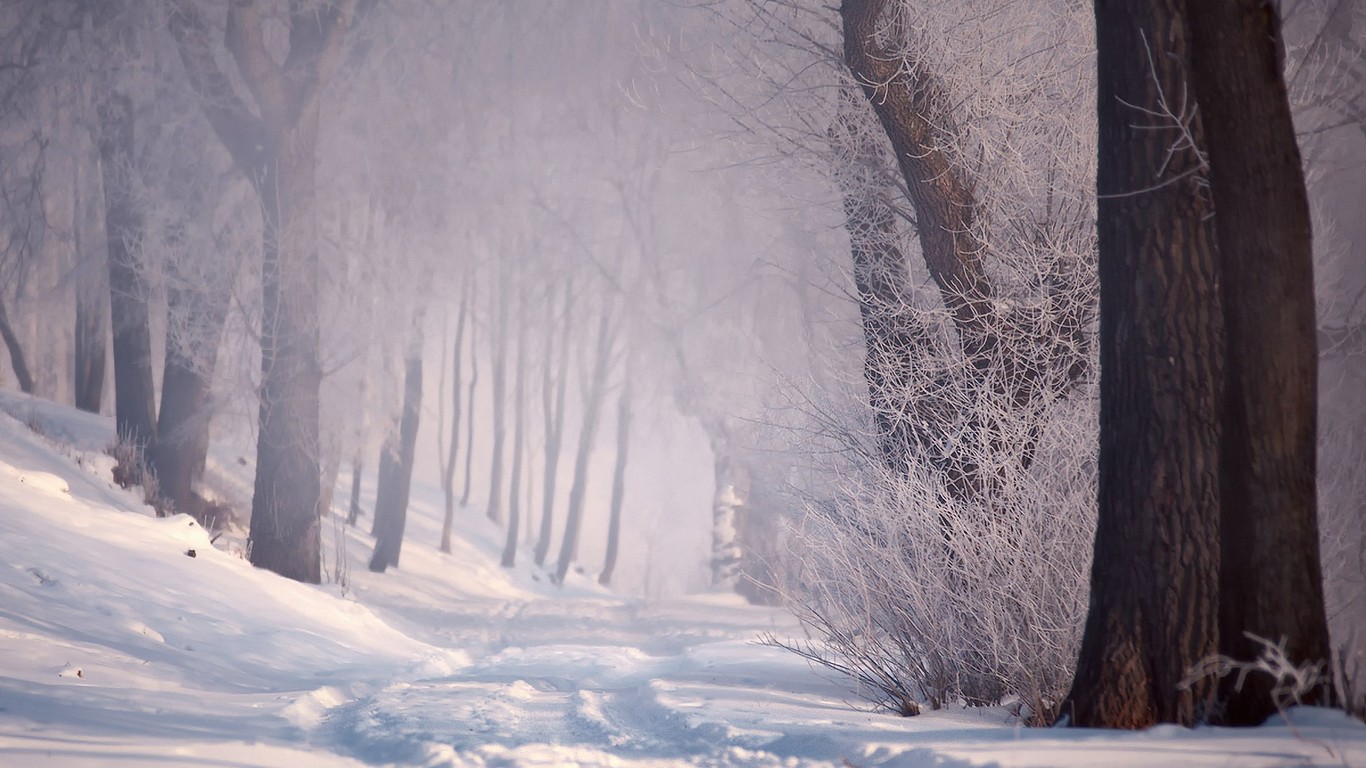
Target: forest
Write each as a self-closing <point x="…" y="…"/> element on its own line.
<point x="992" y="361"/>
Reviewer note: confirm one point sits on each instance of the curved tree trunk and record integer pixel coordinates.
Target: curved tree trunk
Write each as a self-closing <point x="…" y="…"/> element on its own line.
<point x="1154" y="603"/>
<point x="16" y="352"/>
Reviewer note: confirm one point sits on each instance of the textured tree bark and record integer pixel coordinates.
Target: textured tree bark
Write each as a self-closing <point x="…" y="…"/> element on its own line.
<point x="396" y="462"/>
<point x="618" y="481"/>
<point x="914" y="113"/>
<point x="134" y="392"/>
<point x="1154" y="603"/>
<point x="1270" y="581"/>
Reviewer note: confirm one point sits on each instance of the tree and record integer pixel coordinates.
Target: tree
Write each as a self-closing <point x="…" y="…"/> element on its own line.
<point x="1212" y="476"/>
<point x="274" y="146"/>
<point x="134" y="393"/>
<point x="519" y="419"/>
<point x="448" y="464"/>
<point x="594" y="393"/>
<point x="1270" y="581"/>
<point x="609" y="565"/>
<point x="396" y="459"/>
<point x="554" y="383"/>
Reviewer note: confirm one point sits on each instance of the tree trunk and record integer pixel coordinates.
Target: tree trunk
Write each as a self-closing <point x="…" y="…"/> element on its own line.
<point x="1270" y="581"/>
<point x="92" y="308"/>
<point x="469" y="420"/>
<point x="618" y="481"/>
<point x="553" y="410"/>
<point x="914" y="113"/>
<point x="1154" y="604"/>
<point x="726" y="503"/>
<point x="448" y="471"/>
<point x="285" y="534"/>
<point x="134" y="392"/>
<point x="500" y="341"/>
<point x="357" y="464"/>
<point x="396" y="463"/>
<point x="569" y="544"/>
<point x="274" y="145"/>
<point x="518" y="443"/>
<point x="16" y="352"/>
<point x="890" y="333"/>
<point x="192" y="342"/>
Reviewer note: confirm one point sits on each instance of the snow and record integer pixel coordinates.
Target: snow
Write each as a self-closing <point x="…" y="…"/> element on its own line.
<point x="119" y="648"/>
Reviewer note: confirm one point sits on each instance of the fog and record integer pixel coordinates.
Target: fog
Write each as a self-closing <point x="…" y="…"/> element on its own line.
<point x="624" y="209"/>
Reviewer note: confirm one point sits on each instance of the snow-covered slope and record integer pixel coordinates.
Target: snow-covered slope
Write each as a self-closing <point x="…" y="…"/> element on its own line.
<point x="131" y="640"/>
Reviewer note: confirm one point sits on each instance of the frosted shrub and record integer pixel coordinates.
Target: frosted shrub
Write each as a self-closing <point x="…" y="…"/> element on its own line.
<point x="921" y="600"/>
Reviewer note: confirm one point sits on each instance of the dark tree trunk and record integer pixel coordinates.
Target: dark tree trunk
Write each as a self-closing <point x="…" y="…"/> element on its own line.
<point x="187" y="378"/>
<point x="1270" y="581"/>
<point x="597" y="386"/>
<point x="518" y="444"/>
<point x="1154" y="605"/>
<point x="16" y="352"/>
<point x="183" y="426"/>
<point x="448" y="471"/>
<point x="134" y="392"/>
<point x="554" y="381"/>
<point x="618" y="481"/>
<point x="396" y="463"/>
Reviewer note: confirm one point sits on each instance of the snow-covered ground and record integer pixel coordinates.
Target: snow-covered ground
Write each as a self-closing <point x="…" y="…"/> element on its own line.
<point x="133" y="641"/>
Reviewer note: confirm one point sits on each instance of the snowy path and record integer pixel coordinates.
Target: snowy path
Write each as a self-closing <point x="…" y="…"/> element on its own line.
<point x="127" y="640"/>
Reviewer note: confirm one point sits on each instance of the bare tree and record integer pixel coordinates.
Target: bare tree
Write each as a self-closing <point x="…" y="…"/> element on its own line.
<point x="274" y="145"/>
<point x="554" y="383"/>
<point x="396" y="459"/>
<point x="448" y="463"/>
<point x="623" y="446"/>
